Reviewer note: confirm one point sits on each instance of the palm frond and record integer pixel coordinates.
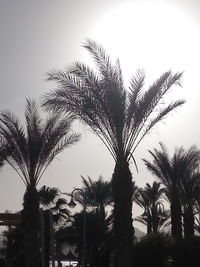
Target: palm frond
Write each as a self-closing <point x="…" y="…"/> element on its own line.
<point x="120" y="118"/>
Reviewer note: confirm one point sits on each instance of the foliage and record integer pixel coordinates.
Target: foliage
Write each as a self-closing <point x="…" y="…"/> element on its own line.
<point x="32" y="150"/>
<point x="50" y="198"/>
<point x="186" y="252"/>
<point x="94" y="236"/>
<point x="120" y="118"/>
<point x="153" y="250"/>
<point x="14" y="247"/>
<point x="180" y="177"/>
<point x="149" y="199"/>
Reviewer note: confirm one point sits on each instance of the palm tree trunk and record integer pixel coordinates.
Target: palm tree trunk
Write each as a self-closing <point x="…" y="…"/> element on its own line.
<point x="188" y="222"/>
<point x="123" y="227"/>
<point x="30" y="219"/>
<point x="149" y="222"/>
<point x="176" y="217"/>
<point x="154" y="219"/>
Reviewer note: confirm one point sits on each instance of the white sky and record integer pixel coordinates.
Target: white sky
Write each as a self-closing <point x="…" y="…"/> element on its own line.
<point x="37" y="36"/>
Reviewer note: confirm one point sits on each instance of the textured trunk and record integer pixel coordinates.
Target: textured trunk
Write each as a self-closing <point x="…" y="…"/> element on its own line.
<point x="154" y="219"/>
<point x="31" y="226"/>
<point x="47" y="237"/>
<point x="188" y="222"/>
<point x="123" y="228"/>
<point x="149" y="225"/>
<point x="176" y="217"/>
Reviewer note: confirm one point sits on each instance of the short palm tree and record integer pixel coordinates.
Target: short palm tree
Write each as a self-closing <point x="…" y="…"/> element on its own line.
<point x="174" y="173"/>
<point x="150" y="200"/>
<point x="190" y="186"/>
<point x="50" y="198"/>
<point x="190" y="194"/>
<point x="119" y="117"/>
<point x="31" y="151"/>
<point x="101" y="193"/>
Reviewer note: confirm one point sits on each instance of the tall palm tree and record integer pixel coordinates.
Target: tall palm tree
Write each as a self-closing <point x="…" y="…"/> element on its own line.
<point x="174" y="173"/>
<point x="149" y="199"/>
<point x="31" y="151"/>
<point x="119" y="117"/>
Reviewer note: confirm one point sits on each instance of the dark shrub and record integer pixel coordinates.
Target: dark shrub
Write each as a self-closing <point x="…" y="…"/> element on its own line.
<point x="187" y="252"/>
<point x="152" y="250"/>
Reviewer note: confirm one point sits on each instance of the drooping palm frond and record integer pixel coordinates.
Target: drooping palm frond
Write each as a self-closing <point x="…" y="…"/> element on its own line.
<point x="31" y="150"/>
<point x="3" y="153"/>
<point x="120" y="118"/>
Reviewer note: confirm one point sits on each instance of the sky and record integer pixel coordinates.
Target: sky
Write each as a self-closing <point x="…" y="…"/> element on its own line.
<point x="156" y="35"/>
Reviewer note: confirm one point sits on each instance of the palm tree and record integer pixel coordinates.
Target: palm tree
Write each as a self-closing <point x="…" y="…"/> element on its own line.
<point x="190" y="194"/>
<point x="190" y="186"/>
<point x="53" y="206"/>
<point x="174" y="173"/>
<point x="119" y="117"/>
<point x="30" y="152"/>
<point x="50" y="198"/>
<point x="100" y="195"/>
<point x="149" y="199"/>
<point x="96" y="195"/>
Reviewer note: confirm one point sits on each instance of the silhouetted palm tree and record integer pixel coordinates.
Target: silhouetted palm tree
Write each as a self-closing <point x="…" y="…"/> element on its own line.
<point x="190" y="188"/>
<point x="190" y="194"/>
<point x="174" y="173"/>
<point x="119" y="117"/>
<point x="100" y="195"/>
<point x="50" y="197"/>
<point x="150" y="200"/>
<point x="30" y="153"/>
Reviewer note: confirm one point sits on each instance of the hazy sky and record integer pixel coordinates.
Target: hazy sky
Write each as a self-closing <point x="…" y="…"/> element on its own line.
<point x="37" y="36"/>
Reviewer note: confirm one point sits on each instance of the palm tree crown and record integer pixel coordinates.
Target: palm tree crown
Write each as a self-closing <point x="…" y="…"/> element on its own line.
<point x="32" y="150"/>
<point x="121" y="118"/>
<point x="149" y="198"/>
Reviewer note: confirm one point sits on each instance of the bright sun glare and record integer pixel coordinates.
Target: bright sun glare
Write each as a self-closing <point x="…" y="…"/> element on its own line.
<point x="153" y="36"/>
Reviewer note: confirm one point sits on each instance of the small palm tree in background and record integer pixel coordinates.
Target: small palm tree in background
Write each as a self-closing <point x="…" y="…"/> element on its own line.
<point x="175" y="174"/>
<point x="119" y="117"/>
<point x="30" y="152"/>
<point x="50" y="198"/>
<point x="149" y="198"/>
<point x="101" y="194"/>
<point x="190" y="188"/>
<point x="96" y="195"/>
<point x="55" y="215"/>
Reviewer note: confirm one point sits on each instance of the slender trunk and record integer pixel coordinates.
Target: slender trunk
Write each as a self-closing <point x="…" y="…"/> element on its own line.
<point x="154" y="219"/>
<point x="188" y="221"/>
<point x="176" y="217"/>
<point x="149" y="225"/>
<point x="123" y="228"/>
<point x="47" y="237"/>
<point x="30" y="219"/>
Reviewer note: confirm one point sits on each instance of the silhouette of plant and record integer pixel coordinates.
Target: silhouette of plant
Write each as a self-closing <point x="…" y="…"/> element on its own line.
<point x="120" y="118"/>
<point x="30" y="151"/>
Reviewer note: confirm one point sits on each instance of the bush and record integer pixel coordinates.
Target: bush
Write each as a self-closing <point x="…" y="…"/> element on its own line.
<point x="186" y="252"/>
<point x="153" y="250"/>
